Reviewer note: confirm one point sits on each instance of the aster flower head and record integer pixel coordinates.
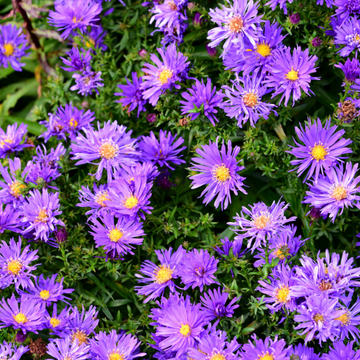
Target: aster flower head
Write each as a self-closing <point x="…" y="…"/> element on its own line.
<point x="15" y="265"/>
<point x="63" y="349"/>
<point x="95" y="38"/>
<point x="96" y="201"/>
<point x="264" y="222"/>
<point x="243" y="100"/>
<point x="164" y="73"/>
<point x="351" y="69"/>
<point x="57" y="322"/>
<point x="282" y="4"/>
<point x="164" y="151"/>
<point x="201" y="95"/>
<point x="214" y="304"/>
<point x="348" y="34"/>
<point x="24" y="314"/>
<point x="115" y="346"/>
<point x="290" y="73"/>
<point x="72" y="15"/>
<point x="49" y="159"/>
<point x="46" y="291"/>
<point x="77" y="61"/>
<point x="11" y="351"/>
<point x="41" y="175"/>
<point x="130" y="199"/>
<point x="234" y="246"/>
<point x="159" y="277"/>
<point x="87" y="82"/>
<point x="264" y="349"/>
<point x="317" y="318"/>
<point x="303" y="352"/>
<point x="131" y="96"/>
<point x="9" y="219"/>
<point x="118" y="237"/>
<point x="218" y="170"/>
<point x="13" y="139"/>
<point x="198" y="268"/>
<point x="346" y="8"/>
<point x="340" y="351"/>
<point x="146" y="169"/>
<point x="319" y="148"/>
<point x="12" y="46"/>
<point x="54" y="128"/>
<point x="335" y="191"/>
<point x="112" y="145"/>
<point x="40" y="210"/>
<point x="235" y="24"/>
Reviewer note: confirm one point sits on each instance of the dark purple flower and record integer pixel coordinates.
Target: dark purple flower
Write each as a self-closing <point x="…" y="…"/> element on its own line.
<point x="316" y="41"/>
<point x="211" y="51"/>
<point x="20" y="337"/>
<point x="151" y="118"/>
<point x="294" y="18"/>
<point x="351" y="69"/>
<point x="61" y="235"/>
<point x="77" y="61"/>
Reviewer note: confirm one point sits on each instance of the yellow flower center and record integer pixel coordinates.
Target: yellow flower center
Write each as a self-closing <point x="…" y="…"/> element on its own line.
<point x="54" y="322"/>
<point x="42" y="216"/>
<point x="108" y="150"/>
<point x="90" y="43"/>
<point x="263" y="49"/>
<point x="236" y="24"/>
<point x="357" y="38"/>
<point x="266" y="356"/>
<point x="15" y="188"/>
<point x="163" y="274"/>
<point x="185" y="330"/>
<point x="44" y="294"/>
<point x="217" y="356"/>
<point x="282" y="294"/>
<point x="73" y="123"/>
<point x="101" y="197"/>
<point x="250" y="99"/>
<point x="281" y="252"/>
<point x="20" y="318"/>
<point x="345" y="319"/>
<point x="14" y="267"/>
<point x="115" y="235"/>
<point x="80" y="336"/>
<point x="318" y="318"/>
<point x="9" y="49"/>
<point x="8" y="140"/>
<point x="318" y="152"/>
<point x="164" y="76"/>
<point x="292" y="75"/>
<point x="339" y="192"/>
<point x="172" y="6"/>
<point x="261" y="221"/>
<point x="116" y="356"/>
<point x="131" y="202"/>
<point x="325" y="285"/>
<point x="222" y="173"/>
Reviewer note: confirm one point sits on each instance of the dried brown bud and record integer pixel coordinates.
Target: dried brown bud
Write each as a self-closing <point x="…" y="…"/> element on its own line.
<point x="37" y="348"/>
<point x="184" y="121"/>
<point x="346" y="111"/>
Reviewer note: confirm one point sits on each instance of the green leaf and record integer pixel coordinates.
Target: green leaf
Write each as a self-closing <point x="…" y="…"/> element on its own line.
<point x="33" y="127"/>
<point x="124" y="40"/>
<point x="116" y="303"/>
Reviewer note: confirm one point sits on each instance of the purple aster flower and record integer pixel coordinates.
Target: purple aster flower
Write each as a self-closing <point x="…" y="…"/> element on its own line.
<point x="10" y="219"/>
<point x="265" y="221"/>
<point x="215" y="346"/>
<point x="53" y="128"/>
<point x="282" y="4"/>
<point x="320" y="148"/>
<point x="204" y="97"/>
<point x="291" y="73"/>
<point x="130" y="199"/>
<point x="294" y="18"/>
<point x="73" y="120"/>
<point x="81" y="325"/>
<point x="12" y="46"/>
<point x="50" y="159"/>
<point x="335" y="21"/>
<point x="46" y="291"/>
<point x="340" y="351"/>
<point x="151" y="118"/>
<point x="348" y="34"/>
<point x="96" y="38"/>
<point x="235" y="246"/>
<point x="131" y="95"/>
<point x="40" y="210"/>
<point x="264" y="349"/>
<point x="11" y="351"/>
<point x="302" y="352"/>
<point x="279" y="289"/>
<point x="55" y="322"/>
<point x="198" y="19"/>
<point x="218" y="170"/>
<point x="63" y="349"/>
<point x="12" y="139"/>
<point x="115" y="346"/>
<point x="77" y="61"/>
<point x="61" y="235"/>
<point x="317" y="317"/>
<point x="179" y="326"/>
<point x="41" y="175"/>
<point x="335" y="191"/>
<point x="198" y="268"/>
<point x="24" y="314"/>
<point x="211" y="51"/>
<point x="214" y="304"/>
<point x="329" y="3"/>
<point x="351" y="69"/>
<point x="117" y="237"/>
<point x="235" y="23"/>
<point x="15" y="265"/>
<point x="346" y="8"/>
<point x="350" y="321"/>
<point x="316" y="42"/>
<point x="163" y="151"/>
<point x="163" y="75"/>
<point x="70" y="15"/>
<point x="146" y="169"/>
<point x="159" y="277"/>
<point x="97" y="201"/>
<point x="172" y="34"/>
<point x="243" y="100"/>
<point x="283" y="245"/>
<point x="87" y="81"/>
<point x="112" y="145"/>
